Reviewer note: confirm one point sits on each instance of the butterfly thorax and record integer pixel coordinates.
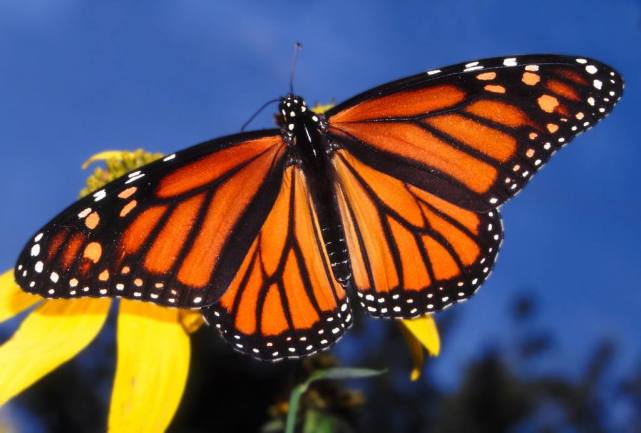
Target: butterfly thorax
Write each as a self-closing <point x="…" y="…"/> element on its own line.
<point x="304" y="132"/>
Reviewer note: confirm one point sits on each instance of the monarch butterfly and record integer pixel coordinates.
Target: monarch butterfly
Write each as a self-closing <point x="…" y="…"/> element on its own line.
<point x="392" y="195"/>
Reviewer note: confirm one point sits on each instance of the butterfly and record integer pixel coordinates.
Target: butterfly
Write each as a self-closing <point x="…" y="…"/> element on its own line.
<point x="392" y="195"/>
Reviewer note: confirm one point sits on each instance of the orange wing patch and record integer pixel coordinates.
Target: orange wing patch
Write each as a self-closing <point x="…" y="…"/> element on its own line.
<point x="490" y="141"/>
<point x="140" y="229"/>
<point x="402" y="104"/>
<point x="167" y="245"/>
<point x="56" y="243"/>
<point x="70" y="251"/>
<point x="284" y="301"/>
<point x="499" y="112"/>
<point x="564" y="90"/>
<point x="412" y="252"/>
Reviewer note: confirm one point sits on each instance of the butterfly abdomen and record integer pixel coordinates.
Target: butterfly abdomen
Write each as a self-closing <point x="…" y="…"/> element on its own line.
<point x="337" y="251"/>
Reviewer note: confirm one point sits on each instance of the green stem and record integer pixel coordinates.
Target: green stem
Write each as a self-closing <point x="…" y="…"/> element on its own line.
<point x="330" y="373"/>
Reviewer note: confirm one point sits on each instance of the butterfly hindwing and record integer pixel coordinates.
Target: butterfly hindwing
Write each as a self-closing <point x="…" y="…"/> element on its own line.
<point x="284" y="301"/>
<point x="475" y="133"/>
<point x="412" y="253"/>
<point x="172" y="232"/>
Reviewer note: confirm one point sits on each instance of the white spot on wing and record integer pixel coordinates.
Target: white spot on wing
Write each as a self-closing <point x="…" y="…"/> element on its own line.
<point x="84" y="212"/>
<point x="134" y="178"/>
<point x="97" y="196"/>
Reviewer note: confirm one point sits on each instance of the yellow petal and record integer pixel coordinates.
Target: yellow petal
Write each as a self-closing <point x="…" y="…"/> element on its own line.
<point x="425" y="331"/>
<point x="191" y="320"/>
<point x="421" y="333"/>
<point x="322" y="108"/>
<point x="52" y="334"/>
<point x="12" y="299"/>
<point x="153" y="362"/>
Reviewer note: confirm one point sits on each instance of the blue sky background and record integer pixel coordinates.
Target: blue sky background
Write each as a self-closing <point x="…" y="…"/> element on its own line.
<point x="79" y="77"/>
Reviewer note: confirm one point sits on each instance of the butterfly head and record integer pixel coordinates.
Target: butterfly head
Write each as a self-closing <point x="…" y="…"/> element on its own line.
<point x="292" y="108"/>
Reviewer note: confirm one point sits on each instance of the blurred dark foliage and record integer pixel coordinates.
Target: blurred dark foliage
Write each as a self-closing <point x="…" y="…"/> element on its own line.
<point x="497" y="391"/>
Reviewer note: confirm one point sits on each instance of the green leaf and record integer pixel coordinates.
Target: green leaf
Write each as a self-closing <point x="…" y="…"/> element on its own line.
<point x="343" y="373"/>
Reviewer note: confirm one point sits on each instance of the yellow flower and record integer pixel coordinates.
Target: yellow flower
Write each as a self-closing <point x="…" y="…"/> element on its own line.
<point x="153" y="342"/>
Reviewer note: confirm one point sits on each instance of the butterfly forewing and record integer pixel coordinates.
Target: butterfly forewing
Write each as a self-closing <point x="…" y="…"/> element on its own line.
<point x="475" y="133"/>
<point x="173" y="232"/>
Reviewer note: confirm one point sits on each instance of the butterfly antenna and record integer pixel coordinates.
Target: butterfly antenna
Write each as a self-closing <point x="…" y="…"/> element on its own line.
<point x="297" y="48"/>
<point x="253" y="116"/>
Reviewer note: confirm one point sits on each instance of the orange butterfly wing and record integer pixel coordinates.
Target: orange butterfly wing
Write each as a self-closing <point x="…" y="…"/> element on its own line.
<point x="173" y="232"/>
<point x="411" y="252"/>
<point x="423" y="163"/>
<point x="475" y="134"/>
<point x="284" y="301"/>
